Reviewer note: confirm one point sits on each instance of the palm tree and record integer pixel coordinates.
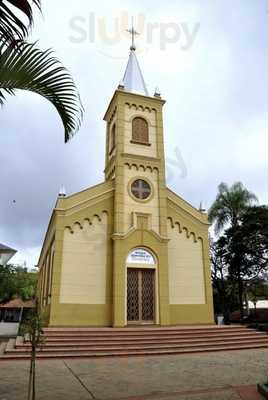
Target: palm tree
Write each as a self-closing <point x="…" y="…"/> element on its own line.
<point x="25" y="67"/>
<point x="230" y="205"/>
<point x="11" y="26"/>
<point x="228" y="209"/>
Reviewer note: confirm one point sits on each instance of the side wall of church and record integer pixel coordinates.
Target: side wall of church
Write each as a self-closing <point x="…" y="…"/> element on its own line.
<point x="84" y="263"/>
<point x="189" y="283"/>
<point x="186" y="268"/>
<point x="82" y="270"/>
<point x="44" y="288"/>
<point x="82" y="284"/>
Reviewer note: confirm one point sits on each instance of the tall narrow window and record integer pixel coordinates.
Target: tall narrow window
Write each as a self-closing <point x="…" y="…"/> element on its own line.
<point x="140" y="131"/>
<point x="112" y="138"/>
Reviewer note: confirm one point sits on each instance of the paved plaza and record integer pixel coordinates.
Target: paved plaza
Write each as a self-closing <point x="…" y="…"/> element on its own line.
<point x="210" y="376"/>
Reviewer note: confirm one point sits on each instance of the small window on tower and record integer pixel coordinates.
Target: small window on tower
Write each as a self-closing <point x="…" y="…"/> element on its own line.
<point x="140" y="131"/>
<point x="141" y="189"/>
<point x="112" y="138"/>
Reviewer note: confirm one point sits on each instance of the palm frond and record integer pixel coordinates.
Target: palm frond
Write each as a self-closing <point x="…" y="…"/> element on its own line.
<point x="230" y="204"/>
<point x="218" y="214"/>
<point x="243" y="194"/>
<point x="26" y="67"/>
<point x="12" y="27"/>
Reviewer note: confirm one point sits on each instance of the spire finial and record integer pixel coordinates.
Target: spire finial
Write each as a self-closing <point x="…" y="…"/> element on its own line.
<point x="133" y="33"/>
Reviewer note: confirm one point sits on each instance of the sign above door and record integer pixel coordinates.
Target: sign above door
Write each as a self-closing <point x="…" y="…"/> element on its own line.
<point x="140" y="256"/>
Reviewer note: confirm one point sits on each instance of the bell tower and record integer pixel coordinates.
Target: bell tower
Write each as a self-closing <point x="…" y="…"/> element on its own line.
<point x="135" y="162"/>
<point x="135" y="149"/>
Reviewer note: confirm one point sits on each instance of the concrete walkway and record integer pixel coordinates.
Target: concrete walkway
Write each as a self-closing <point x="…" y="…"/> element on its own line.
<point x="211" y="376"/>
<point x="8" y="329"/>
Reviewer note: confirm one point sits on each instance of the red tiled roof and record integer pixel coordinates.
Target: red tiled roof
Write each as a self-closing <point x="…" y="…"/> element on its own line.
<point x="18" y="303"/>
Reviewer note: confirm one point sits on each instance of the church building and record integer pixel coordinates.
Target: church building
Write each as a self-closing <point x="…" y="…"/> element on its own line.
<point x="128" y="250"/>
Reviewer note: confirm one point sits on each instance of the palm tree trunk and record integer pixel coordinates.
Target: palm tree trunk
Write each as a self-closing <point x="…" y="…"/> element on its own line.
<point x="240" y="296"/>
<point x="226" y="308"/>
<point x="223" y="301"/>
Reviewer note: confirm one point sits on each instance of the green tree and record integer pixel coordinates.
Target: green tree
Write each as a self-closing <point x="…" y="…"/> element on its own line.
<point x="25" y="67"/>
<point x="227" y="212"/>
<point x="254" y="225"/>
<point x="25" y="283"/>
<point x="230" y="205"/>
<point x="223" y="289"/>
<point x="16" y="282"/>
<point x="247" y="244"/>
<point x="7" y="283"/>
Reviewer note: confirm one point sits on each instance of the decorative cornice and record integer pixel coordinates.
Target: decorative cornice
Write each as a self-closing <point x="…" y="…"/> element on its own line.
<point x="85" y="203"/>
<point x="140" y="157"/>
<point x="138" y="107"/>
<point x="88" y="220"/>
<point x="143" y="101"/>
<point x="122" y="236"/>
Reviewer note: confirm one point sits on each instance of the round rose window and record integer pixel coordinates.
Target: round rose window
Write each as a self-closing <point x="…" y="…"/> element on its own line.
<point x="141" y="189"/>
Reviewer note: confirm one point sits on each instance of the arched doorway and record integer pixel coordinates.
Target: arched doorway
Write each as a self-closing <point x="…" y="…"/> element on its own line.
<point x="141" y="287"/>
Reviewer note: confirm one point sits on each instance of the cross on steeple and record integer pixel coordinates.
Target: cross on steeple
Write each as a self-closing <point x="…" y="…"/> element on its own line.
<point x="133" y="33"/>
<point x="133" y="80"/>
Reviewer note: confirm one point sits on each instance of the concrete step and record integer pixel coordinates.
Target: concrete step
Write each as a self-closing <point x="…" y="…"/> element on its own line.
<point x="20" y="341"/>
<point x="139" y="328"/>
<point x="124" y="353"/>
<point x="3" y="346"/>
<point x="141" y="335"/>
<point x="139" y="332"/>
<point x="66" y="339"/>
<point x="10" y="344"/>
<point x="107" y="342"/>
<point x="112" y="342"/>
<point x="138" y="347"/>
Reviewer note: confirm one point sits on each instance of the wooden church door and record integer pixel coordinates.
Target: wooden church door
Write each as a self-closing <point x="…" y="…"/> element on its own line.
<point x="140" y="296"/>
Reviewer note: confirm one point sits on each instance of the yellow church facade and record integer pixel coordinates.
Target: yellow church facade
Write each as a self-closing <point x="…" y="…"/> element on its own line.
<point x="128" y="251"/>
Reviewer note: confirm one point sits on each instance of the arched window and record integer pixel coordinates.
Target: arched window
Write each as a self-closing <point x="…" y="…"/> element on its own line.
<point x="140" y="131"/>
<point x="112" y="138"/>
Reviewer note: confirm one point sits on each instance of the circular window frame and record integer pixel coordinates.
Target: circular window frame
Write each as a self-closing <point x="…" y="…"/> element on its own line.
<point x="149" y="198"/>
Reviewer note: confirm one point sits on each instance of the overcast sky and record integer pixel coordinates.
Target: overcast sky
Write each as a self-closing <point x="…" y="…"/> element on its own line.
<point x="209" y="59"/>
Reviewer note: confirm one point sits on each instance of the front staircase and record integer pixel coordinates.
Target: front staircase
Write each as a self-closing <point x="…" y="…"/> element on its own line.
<point x="142" y="341"/>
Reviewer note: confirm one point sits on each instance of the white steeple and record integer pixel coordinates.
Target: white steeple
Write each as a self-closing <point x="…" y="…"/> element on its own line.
<point x="133" y="80"/>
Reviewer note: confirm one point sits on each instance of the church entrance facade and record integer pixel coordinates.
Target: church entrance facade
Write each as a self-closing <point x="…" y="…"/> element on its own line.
<point x="128" y="250"/>
<point x="141" y="298"/>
